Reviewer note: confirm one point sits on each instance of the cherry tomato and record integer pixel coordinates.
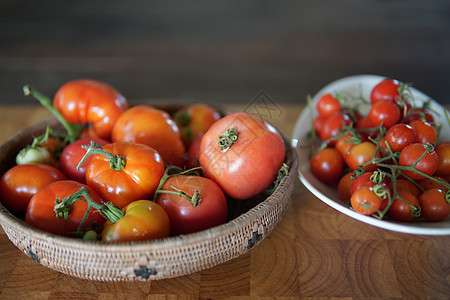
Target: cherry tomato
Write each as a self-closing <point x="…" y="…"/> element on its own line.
<point x="143" y="220"/>
<point x="344" y="144"/>
<point x="71" y="156"/>
<point x="399" y="136"/>
<point x="194" y="120"/>
<point x="443" y="152"/>
<point x="411" y="154"/>
<point x="188" y="216"/>
<point x="133" y="174"/>
<point x="327" y="165"/>
<point x="327" y="105"/>
<point x="414" y="113"/>
<point x="366" y="129"/>
<point x="21" y="182"/>
<point x="243" y="154"/>
<point x="386" y="90"/>
<point x="400" y="210"/>
<point x="361" y="154"/>
<point x="365" y="201"/>
<point x="332" y="125"/>
<point x="384" y="113"/>
<point x="364" y="180"/>
<point x="344" y="186"/>
<point x="92" y="102"/>
<point x="318" y="123"/>
<point x="40" y="212"/>
<point x="408" y="186"/>
<point x="428" y="183"/>
<point x="434" y="205"/>
<point x="153" y="127"/>
<point x="425" y="132"/>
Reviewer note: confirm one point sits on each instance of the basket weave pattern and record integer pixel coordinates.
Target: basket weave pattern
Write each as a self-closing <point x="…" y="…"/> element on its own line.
<point x="144" y="260"/>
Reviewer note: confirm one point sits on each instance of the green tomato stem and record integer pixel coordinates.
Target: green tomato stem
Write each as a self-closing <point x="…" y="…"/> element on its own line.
<point x="116" y="162"/>
<point x="73" y="131"/>
<point x="63" y="207"/>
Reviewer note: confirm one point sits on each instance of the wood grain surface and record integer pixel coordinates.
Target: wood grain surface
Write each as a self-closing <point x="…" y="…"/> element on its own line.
<point x="314" y="253"/>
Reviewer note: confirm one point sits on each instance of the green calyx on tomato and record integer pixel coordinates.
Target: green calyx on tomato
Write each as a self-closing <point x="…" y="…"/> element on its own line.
<point x="108" y="210"/>
<point x="195" y="199"/>
<point x="116" y="162"/>
<point x="73" y="131"/>
<point x="227" y="139"/>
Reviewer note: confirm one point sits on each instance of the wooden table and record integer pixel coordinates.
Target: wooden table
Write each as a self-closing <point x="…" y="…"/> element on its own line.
<point x="315" y="251"/>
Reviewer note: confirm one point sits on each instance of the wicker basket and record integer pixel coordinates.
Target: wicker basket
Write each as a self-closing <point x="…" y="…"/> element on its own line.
<point x="250" y="222"/>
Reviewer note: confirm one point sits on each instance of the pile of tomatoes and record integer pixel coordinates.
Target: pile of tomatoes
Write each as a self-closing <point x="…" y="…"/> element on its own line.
<point x="388" y="162"/>
<point x="120" y="173"/>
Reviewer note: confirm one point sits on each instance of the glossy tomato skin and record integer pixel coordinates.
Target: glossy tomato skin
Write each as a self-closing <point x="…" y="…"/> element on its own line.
<point x="425" y="132"/>
<point x="327" y="105"/>
<point x="194" y="120"/>
<point x="147" y="125"/>
<point x="384" y="113"/>
<point x="139" y="178"/>
<point x="399" y="136"/>
<point x="40" y="213"/>
<point x="19" y="184"/>
<point x="142" y="220"/>
<point x="400" y="210"/>
<point x="327" y="165"/>
<point x="360" y="154"/>
<point x="185" y="218"/>
<point x="386" y="90"/>
<point x="344" y="186"/>
<point x="411" y="154"/>
<point x="408" y="186"/>
<point x="251" y="164"/>
<point x="71" y="157"/>
<point x="92" y="102"/>
<point x="365" y="201"/>
<point x="332" y="125"/>
<point x="434" y="206"/>
<point x="443" y="152"/>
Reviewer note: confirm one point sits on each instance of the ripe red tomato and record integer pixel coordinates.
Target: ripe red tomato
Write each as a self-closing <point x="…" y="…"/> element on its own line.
<point x="400" y="210"/>
<point x="318" y="123"/>
<point x="414" y="113"/>
<point x="399" y="136"/>
<point x="327" y="105"/>
<point x="184" y="216"/>
<point x="407" y="186"/>
<point x="344" y="144"/>
<point x="366" y="129"/>
<point x="365" y="201"/>
<point x="85" y="101"/>
<point x="143" y="220"/>
<point x="21" y="182"/>
<point x="137" y="176"/>
<point x="193" y="154"/>
<point x="425" y="132"/>
<point x="443" y="153"/>
<point x="332" y="125"/>
<point x="386" y="90"/>
<point x="41" y="214"/>
<point x="411" y="154"/>
<point x="361" y="154"/>
<point x="384" y="113"/>
<point x="344" y="186"/>
<point x="71" y="156"/>
<point x="153" y="127"/>
<point x="251" y="162"/>
<point x="428" y="183"/>
<point x="194" y="120"/>
<point x="327" y="165"/>
<point x="434" y="205"/>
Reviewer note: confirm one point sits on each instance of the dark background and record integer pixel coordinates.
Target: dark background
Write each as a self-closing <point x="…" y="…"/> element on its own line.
<point x="221" y="51"/>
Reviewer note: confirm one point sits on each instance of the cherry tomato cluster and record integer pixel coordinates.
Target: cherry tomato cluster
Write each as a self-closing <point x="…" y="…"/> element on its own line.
<point x="120" y="173"/>
<point x="387" y="163"/>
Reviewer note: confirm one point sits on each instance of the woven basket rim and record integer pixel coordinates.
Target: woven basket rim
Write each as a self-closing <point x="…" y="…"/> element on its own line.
<point x="6" y="217"/>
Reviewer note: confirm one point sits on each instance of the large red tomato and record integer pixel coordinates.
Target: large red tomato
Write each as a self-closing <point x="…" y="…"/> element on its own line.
<point x="41" y="214"/>
<point x="243" y="154"/>
<point x="209" y="207"/>
<point x="153" y="127"/>
<point x="86" y="101"/>
<point x="21" y="182"/>
<point x="128" y="173"/>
